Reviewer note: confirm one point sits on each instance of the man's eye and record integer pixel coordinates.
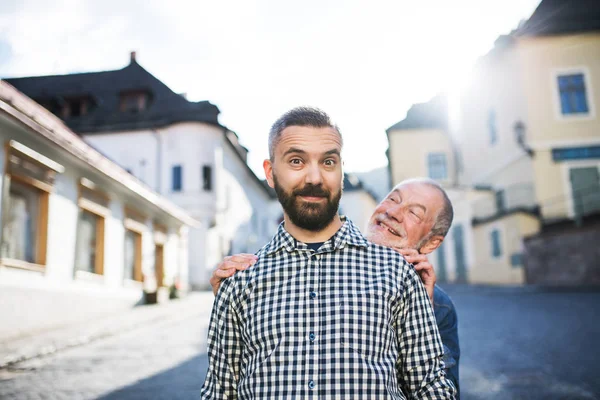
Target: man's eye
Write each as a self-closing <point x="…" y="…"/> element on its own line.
<point x="416" y="215"/>
<point x="295" y="161"/>
<point x="330" y="163"/>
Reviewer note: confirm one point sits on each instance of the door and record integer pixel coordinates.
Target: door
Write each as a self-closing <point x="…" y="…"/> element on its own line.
<point x="159" y="265"/>
<point x="585" y="189"/>
<point x="459" y="253"/>
<point x="442" y="275"/>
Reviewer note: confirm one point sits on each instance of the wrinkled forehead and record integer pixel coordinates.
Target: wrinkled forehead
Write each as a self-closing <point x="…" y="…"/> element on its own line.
<point x="421" y="195"/>
<point x="301" y="137"/>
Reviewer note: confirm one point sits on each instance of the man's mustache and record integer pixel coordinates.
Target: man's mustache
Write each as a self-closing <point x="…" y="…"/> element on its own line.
<point x="312" y="191"/>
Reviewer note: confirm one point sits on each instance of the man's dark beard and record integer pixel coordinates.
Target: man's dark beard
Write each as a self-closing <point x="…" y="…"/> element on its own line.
<point x="313" y="217"/>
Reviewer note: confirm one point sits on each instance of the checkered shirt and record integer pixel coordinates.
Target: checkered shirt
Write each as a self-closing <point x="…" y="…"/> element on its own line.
<point x="350" y="320"/>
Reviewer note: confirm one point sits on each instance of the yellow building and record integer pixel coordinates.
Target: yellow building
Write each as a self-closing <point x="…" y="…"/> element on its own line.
<point x="419" y="146"/>
<point x="525" y="140"/>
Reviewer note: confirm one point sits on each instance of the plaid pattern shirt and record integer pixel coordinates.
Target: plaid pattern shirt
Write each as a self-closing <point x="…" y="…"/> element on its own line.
<point x="350" y="320"/>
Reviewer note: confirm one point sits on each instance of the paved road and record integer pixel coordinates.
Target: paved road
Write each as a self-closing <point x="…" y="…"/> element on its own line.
<point x="517" y="344"/>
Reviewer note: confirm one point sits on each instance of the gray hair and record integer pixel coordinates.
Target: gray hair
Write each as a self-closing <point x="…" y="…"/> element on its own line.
<point x="299" y="116"/>
<point x="444" y="218"/>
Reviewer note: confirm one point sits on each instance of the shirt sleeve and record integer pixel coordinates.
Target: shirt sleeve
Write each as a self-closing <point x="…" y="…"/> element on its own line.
<point x="447" y="322"/>
<point x="224" y="348"/>
<point x="420" y="365"/>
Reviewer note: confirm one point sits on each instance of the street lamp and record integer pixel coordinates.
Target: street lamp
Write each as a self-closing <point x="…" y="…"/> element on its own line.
<point x="520" y="129"/>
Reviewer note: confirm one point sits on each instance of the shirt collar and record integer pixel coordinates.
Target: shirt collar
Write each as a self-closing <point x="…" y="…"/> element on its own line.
<point x="348" y="234"/>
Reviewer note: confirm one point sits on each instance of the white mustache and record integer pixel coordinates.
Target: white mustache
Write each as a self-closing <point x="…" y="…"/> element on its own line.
<point x="394" y="228"/>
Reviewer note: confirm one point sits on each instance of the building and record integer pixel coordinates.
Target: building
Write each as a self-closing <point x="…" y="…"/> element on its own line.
<point x="79" y="236"/>
<point x="177" y="147"/>
<point x="420" y="146"/>
<point x="525" y="145"/>
<point x="357" y="202"/>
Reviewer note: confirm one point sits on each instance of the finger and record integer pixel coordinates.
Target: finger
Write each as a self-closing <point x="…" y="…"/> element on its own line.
<point x="424" y="266"/>
<point x="242" y="258"/>
<point x="407" y="252"/>
<point x="234" y="265"/>
<point x="224" y="273"/>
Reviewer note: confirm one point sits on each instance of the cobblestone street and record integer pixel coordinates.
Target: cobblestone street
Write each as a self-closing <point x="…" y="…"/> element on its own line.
<point x="516" y="344"/>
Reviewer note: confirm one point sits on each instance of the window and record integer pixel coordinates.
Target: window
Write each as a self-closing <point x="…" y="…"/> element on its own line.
<point x="77" y="106"/>
<point x="134" y="101"/>
<point x="94" y="205"/>
<point x="135" y="226"/>
<point x="496" y="245"/>
<point x="88" y="242"/>
<point x="177" y="177"/>
<point x="22" y="217"/>
<point x="500" y="201"/>
<point x="436" y="164"/>
<point x="573" y="98"/>
<point x="492" y="127"/>
<point x="207" y="178"/>
<point x="28" y="182"/>
<point x="133" y="256"/>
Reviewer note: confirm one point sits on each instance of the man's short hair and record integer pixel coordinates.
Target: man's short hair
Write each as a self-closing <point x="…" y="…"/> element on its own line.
<point x="444" y="218"/>
<point x="299" y="116"/>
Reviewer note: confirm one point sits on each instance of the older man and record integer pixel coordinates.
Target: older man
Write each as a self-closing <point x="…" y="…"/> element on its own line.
<point x="323" y="313"/>
<point x="413" y="219"/>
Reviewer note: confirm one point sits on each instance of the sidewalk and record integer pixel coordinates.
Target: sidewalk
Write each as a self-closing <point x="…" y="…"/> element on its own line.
<point x="194" y="305"/>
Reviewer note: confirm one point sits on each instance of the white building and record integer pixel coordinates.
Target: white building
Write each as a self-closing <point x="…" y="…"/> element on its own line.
<point x="175" y="146"/>
<point x="79" y="235"/>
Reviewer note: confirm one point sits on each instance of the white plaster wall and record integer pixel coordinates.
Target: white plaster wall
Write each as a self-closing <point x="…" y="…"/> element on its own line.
<point x="358" y="206"/>
<point x="135" y="151"/>
<point x="495" y="84"/>
<point x="63" y="214"/>
<point x="235" y="216"/>
<point x="114" y="245"/>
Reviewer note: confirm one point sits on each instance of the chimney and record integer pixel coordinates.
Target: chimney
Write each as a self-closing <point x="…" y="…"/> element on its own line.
<point x="132" y="55"/>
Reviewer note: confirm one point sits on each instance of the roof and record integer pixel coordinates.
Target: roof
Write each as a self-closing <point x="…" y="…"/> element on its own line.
<point x="352" y="183"/>
<point x="553" y="17"/>
<point x="430" y="115"/>
<point x="165" y="107"/>
<point x="39" y="120"/>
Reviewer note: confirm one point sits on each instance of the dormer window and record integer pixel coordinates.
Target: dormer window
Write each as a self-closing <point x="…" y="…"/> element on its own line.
<point x="134" y="101"/>
<point x="73" y="107"/>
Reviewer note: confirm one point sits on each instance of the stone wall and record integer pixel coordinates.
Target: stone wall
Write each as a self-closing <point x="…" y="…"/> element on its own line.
<point x="564" y="255"/>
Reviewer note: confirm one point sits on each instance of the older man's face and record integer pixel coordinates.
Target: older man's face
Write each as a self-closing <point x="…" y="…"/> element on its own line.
<point x="405" y="217"/>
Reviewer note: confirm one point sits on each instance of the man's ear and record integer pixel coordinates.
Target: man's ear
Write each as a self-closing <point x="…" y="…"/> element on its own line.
<point x="433" y="243"/>
<point x="268" y="167"/>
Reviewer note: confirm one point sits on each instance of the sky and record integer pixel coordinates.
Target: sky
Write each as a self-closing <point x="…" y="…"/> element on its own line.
<point x="363" y="62"/>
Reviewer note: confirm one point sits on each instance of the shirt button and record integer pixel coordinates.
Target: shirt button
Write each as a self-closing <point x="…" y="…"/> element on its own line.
<point x="313" y="295"/>
<point x="312" y="337"/>
<point x="311" y="384"/>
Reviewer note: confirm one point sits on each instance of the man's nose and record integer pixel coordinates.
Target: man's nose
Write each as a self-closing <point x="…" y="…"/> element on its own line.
<point x="313" y="175"/>
<point x="395" y="212"/>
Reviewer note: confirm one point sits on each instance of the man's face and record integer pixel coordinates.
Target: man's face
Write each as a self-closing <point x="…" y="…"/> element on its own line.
<point x="403" y="220"/>
<point x="306" y="173"/>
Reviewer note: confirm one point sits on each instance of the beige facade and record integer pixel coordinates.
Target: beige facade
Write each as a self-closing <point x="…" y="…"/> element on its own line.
<point x="526" y="140"/>
<point x="499" y="247"/>
<point x="544" y="59"/>
<point x="414" y="152"/>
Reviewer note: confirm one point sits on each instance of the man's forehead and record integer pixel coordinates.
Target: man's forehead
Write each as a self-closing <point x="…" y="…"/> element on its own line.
<point x="419" y="193"/>
<point x="299" y="138"/>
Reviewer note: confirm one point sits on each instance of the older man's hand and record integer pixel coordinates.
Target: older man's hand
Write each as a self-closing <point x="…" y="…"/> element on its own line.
<point x="239" y="262"/>
<point x="423" y="268"/>
<point x="229" y="266"/>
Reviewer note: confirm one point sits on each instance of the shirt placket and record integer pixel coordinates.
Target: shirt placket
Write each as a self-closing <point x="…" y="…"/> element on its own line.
<point x="312" y="326"/>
